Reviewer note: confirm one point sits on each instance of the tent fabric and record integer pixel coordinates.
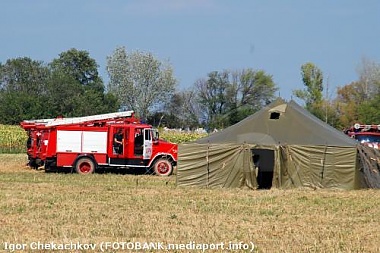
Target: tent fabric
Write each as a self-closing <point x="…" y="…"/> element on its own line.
<point x="317" y="167"/>
<point x="307" y="153"/>
<point x="223" y="166"/>
<point x="230" y="165"/>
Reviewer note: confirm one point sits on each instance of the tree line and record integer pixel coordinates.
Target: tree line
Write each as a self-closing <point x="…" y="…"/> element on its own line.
<point x="71" y="86"/>
<point x="356" y="102"/>
<point x="68" y="86"/>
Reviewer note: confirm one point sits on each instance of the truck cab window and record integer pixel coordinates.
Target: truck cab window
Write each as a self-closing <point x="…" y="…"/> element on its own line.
<point x="148" y="134"/>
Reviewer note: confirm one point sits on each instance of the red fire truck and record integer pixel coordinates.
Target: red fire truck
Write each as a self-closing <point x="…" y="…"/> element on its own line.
<point x="84" y="144"/>
<point x="368" y="135"/>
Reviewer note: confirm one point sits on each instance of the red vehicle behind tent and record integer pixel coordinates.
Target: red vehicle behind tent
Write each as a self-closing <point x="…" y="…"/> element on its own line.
<point x="368" y="135"/>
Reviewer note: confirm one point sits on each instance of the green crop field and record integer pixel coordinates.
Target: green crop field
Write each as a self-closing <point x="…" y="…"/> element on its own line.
<point x="124" y="209"/>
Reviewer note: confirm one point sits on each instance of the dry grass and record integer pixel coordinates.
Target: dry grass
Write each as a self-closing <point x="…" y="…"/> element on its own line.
<point x="38" y="206"/>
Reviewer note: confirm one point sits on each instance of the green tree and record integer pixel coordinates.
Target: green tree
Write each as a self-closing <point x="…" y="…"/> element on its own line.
<point x="212" y="98"/>
<point x="65" y="96"/>
<point x="257" y="91"/>
<point x="369" y="81"/>
<point x="229" y="96"/>
<point x="140" y="81"/>
<point x="368" y="111"/>
<point x="358" y="101"/>
<point x="349" y="97"/>
<point x="80" y="66"/>
<point x="75" y="88"/>
<point x="369" y="78"/>
<point x="22" y="89"/>
<point x="312" y="78"/>
<point x="182" y="110"/>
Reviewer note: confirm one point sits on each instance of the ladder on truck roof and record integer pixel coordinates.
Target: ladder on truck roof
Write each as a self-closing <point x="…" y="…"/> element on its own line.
<point x="38" y="121"/>
<point x="90" y="119"/>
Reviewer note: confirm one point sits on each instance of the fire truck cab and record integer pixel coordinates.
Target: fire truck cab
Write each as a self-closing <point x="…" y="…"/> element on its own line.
<point x="88" y="143"/>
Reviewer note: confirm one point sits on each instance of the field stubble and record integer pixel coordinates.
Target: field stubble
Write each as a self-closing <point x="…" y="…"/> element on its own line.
<point x="38" y="206"/>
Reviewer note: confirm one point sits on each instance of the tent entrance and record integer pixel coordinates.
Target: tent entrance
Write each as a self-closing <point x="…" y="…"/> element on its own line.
<point x="263" y="160"/>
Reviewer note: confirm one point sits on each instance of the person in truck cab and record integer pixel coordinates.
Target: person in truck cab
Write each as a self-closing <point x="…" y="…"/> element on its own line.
<point x="118" y="141"/>
<point x="139" y="141"/>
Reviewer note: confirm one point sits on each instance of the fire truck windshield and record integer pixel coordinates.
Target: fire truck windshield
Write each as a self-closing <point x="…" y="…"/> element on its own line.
<point x="367" y="138"/>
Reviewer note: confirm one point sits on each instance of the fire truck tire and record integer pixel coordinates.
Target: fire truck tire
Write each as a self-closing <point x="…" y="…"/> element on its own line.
<point x="163" y="167"/>
<point x="84" y="166"/>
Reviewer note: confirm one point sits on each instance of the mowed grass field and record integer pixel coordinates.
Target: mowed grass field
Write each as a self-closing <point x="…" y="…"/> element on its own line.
<point x="69" y="208"/>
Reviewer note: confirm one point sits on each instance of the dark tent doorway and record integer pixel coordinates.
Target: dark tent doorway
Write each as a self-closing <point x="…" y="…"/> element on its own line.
<point x="263" y="160"/>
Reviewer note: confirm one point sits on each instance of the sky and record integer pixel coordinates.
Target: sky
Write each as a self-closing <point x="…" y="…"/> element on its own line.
<point x="201" y="36"/>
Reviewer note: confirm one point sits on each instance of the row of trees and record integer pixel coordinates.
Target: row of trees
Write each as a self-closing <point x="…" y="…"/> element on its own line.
<point x="71" y="86"/>
<point x="146" y="85"/>
<point x="358" y="101"/>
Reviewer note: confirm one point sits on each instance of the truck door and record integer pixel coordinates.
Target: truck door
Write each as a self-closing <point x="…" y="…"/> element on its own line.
<point x="118" y="140"/>
<point x="147" y="147"/>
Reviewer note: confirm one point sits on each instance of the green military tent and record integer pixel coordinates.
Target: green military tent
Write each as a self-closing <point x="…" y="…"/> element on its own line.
<point x="282" y="146"/>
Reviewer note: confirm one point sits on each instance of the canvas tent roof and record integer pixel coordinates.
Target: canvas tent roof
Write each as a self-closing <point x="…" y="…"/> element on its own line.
<point x="281" y="123"/>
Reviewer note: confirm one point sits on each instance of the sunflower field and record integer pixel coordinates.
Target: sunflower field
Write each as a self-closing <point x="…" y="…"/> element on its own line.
<point x="180" y="137"/>
<point x="12" y="139"/>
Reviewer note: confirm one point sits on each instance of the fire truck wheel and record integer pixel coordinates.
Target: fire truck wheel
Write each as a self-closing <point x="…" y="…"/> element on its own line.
<point x="85" y="166"/>
<point x="163" y="167"/>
